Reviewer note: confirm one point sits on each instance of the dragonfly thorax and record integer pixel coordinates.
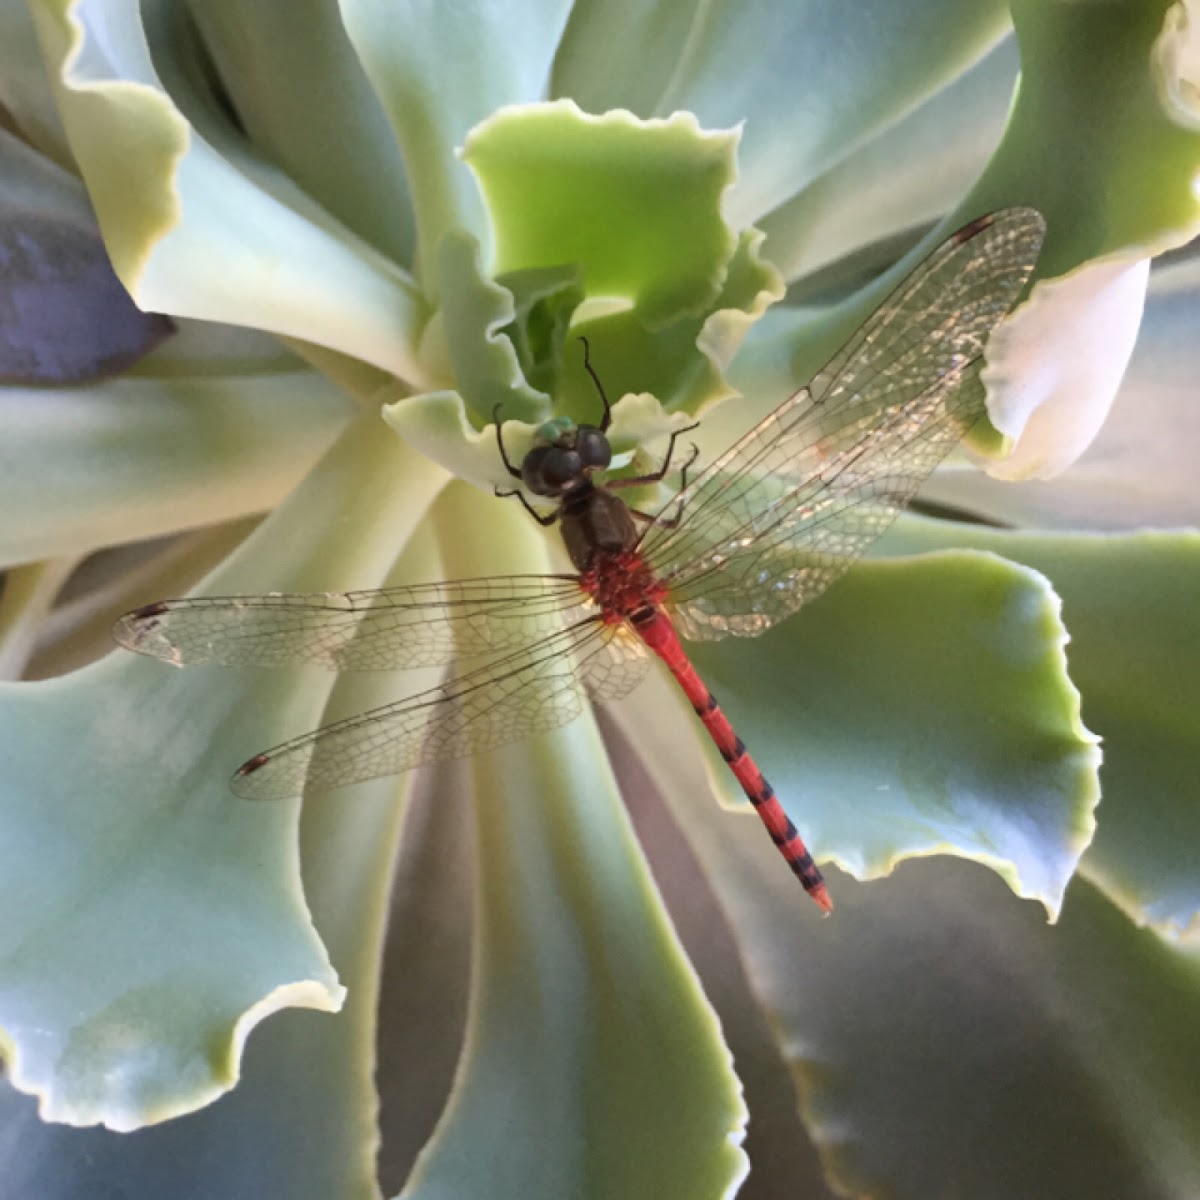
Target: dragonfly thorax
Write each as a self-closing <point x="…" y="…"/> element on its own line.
<point x="623" y="585"/>
<point x="564" y="456"/>
<point x="595" y="524"/>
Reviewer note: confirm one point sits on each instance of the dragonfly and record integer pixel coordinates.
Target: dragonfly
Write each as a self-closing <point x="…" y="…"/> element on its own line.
<point x="745" y="542"/>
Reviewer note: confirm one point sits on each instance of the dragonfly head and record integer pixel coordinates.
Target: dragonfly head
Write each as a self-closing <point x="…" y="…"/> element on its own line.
<point x="563" y="457"/>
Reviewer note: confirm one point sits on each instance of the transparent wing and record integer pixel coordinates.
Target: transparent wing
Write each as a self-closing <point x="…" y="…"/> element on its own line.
<point x="777" y="518"/>
<point x="391" y="629"/>
<point x="533" y="690"/>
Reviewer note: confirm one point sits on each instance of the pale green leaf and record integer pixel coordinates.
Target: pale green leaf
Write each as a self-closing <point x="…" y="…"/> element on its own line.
<point x="160" y="918"/>
<point x="944" y="1038"/>
<point x="25" y="90"/>
<point x="919" y="707"/>
<point x="1141" y="469"/>
<point x="587" y="1029"/>
<point x="302" y="1121"/>
<point x="195" y="225"/>
<point x="837" y="229"/>
<point x="809" y="80"/>
<point x="1129" y="603"/>
<point x="439" y="69"/>
<point x="307" y="105"/>
<point x="132" y="458"/>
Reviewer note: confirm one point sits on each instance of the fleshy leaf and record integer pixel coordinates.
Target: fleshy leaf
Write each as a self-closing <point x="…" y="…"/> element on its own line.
<point x="637" y="206"/>
<point x="426" y="967"/>
<point x="625" y="1086"/>
<point x="65" y="317"/>
<point x="1056" y="365"/>
<point x="630" y="209"/>
<point x="1129" y="602"/>
<point x="303" y="98"/>
<point x="941" y="1035"/>
<point x="663" y="361"/>
<point x="835" y="233"/>
<point x="771" y="67"/>
<point x="25" y="599"/>
<point x="438" y="71"/>
<point x="483" y="361"/>
<point x="1045" y="386"/>
<point x="1054" y="369"/>
<point x="919" y="707"/>
<point x="777" y="1144"/>
<point x="25" y="91"/>
<point x="1089" y="80"/>
<point x="1035" y="1062"/>
<point x="546" y="299"/>
<point x="302" y="1121"/>
<point x="1134" y="475"/>
<point x="129" y="908"/>
<point x="132" y="458"/>
<point x="161" y="918"/>
<point x="193" y="230"/>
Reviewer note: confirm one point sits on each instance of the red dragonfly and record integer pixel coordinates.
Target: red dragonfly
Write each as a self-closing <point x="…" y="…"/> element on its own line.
<point x="763" y="529"/>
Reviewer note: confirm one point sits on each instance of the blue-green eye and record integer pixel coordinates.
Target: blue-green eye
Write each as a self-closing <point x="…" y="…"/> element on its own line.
<point x="555" y="430"/>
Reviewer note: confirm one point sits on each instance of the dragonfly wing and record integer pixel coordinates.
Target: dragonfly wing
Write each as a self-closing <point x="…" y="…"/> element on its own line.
<point x="390" y="629"/>
<point x="532" y="690"/>
<point x="777" y="518"/>
<point x="619" y="669"/>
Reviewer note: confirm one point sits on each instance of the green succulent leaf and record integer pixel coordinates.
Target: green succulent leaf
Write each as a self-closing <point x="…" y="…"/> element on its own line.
<point x="194" y="225"/>
<point x="545" y="299"/>
<point x="926" y="160"/>
<point x="302" y="1121"/>
<point x="157" y="906"/>
<point x="26" y="91"/>
<point x="635" y="203"/>
<point x="1053" y="393"/>
<point x="494" y="54"/>
<point x="940" y="1034"/>
<point x="407" y="190"/>
<point x="607" y="228"/>
<point x="774" y="67"/>
<point x="920" y="707"/>
<point x="1127" y="600"/>
<point x="305" y="101"/>
<point x="993" y="1055"/>
<point x="134" y="458"/>
<point x="1051" y="380"/>
<point x="625" y="1086"/>
<point x="1134" y="475"/>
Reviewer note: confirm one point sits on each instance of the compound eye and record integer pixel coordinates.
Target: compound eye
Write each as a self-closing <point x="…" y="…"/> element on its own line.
<point x="531" y="470"/>
<point x="593" y="447"/>
<point x="561" y="467"/>
<point x="549" y="470"/>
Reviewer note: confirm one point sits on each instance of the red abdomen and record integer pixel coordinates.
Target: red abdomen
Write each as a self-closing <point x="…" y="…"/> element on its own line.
<point x="655" y="629"/>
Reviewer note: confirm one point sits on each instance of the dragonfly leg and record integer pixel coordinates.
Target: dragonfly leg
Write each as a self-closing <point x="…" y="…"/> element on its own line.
<point x="654" y="476"/>
<point x="659" y="519"/>
<point x="659" y="475"/>
<point x="649" y="518"/>
<point x="546" y="520"/>
<point x="513" y="471"/>
<point x="587" y="366"/>
<point x="671" y="522"/>
<point x="681" y="501"/>
<point x="687" y="466"/>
